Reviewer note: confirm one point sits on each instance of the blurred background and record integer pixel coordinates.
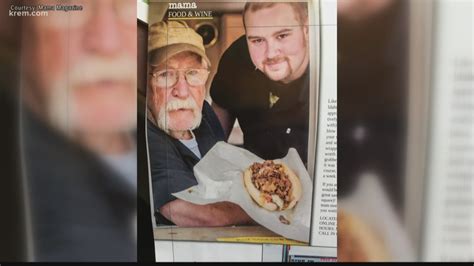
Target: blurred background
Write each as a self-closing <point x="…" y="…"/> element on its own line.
<point x="69" y="153"/>
<point x="405" y="154"/>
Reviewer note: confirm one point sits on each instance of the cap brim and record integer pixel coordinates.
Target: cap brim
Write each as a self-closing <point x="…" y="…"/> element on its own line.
<point x="160" y="55"/>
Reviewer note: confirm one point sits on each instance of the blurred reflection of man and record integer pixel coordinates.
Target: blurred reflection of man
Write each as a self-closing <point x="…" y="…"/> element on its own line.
<point x="372" y="61"/>
<point x="182" y="126"/>
<point x="79" y="97"/>
<point x="372" y="75"/>
<point x="270" y="95"/>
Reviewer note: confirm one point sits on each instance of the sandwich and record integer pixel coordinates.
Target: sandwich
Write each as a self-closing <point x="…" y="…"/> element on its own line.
<point x="273" y="186"/>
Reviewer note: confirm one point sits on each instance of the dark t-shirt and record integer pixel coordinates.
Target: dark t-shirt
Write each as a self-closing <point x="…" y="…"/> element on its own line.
<point x="243" y="91"/>
<point x="81" y="210"/>
<point x="171" y="162"/>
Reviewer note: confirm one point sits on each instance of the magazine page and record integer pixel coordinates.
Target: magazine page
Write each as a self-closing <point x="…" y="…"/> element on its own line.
<point x="324" y="233"/>
<point x="233" y="121"/>
<point x="448" y="222"/>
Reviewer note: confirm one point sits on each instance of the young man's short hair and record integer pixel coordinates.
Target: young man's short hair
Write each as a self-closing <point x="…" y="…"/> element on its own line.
<point x="300" y="9"/>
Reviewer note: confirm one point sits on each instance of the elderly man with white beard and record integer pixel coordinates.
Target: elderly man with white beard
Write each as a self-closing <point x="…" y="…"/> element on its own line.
<point x="78" y="94"/>
<point x="182" y="126"/>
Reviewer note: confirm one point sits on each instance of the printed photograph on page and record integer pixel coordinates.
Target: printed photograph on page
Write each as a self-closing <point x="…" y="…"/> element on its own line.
<point x="232" y="107"/>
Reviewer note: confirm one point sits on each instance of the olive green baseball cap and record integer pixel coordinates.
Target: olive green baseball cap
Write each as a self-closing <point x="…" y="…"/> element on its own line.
<point x="168" y="38"/>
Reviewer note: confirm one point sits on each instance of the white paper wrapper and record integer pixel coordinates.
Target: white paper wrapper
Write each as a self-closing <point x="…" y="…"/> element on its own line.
<point x="220" y="178"/>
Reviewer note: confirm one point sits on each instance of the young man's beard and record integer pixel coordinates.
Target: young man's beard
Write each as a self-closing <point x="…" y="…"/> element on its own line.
<point x="267" y="68"/>
<point x="163" y="119"/>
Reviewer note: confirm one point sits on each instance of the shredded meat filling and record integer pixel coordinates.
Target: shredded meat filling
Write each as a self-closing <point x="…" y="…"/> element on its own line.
<point x="270" y="179"/>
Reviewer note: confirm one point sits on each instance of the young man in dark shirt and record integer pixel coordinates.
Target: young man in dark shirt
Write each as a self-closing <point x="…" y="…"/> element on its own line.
<point x="270" y="97"/>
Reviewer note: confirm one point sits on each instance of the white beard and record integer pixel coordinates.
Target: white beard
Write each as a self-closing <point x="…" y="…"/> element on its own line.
<point x="163" y="119"/>
<point x="63" y="111"/>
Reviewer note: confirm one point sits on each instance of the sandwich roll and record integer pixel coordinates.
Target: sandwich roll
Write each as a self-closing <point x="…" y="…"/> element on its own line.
<point x="273" y="186"/>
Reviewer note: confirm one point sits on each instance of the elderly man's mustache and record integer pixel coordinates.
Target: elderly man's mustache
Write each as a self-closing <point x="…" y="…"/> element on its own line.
<point x="163" y="119"/>
<point x="90" y="70"/>
<point x="177" y="104"/>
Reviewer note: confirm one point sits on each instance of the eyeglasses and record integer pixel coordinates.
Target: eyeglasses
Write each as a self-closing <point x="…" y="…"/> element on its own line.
<point x="168" y="78"/>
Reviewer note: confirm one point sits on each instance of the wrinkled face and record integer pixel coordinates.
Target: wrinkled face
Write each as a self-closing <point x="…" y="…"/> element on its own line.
<point x="178" y="104"/>
<point x="80" y="66"/>
<point x="278" y="42"/>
